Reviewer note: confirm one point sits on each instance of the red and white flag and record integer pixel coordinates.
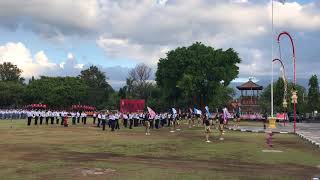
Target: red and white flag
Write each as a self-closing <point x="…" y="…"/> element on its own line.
<point x="151" y="112"/>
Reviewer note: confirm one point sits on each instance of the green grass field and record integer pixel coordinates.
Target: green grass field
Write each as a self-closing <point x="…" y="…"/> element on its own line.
<point x="77" y="152"/>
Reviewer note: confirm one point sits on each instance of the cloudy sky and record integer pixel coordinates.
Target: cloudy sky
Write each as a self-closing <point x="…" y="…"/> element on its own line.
<point x="62" y="37"/>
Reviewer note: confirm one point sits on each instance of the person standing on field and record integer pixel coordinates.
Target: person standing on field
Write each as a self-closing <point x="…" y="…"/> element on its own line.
<point x="99" y="119"/>
<point x="103" y="121"/>
<point x="29" y="115"/>
<point x="94" y="116"/>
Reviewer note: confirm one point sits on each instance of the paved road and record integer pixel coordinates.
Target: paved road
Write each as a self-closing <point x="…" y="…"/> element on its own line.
<point x="307" y="131"/>
<point x="310" y="132"/>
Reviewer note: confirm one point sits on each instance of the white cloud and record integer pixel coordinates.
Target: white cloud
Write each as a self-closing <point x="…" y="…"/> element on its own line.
<point x="70" y="55"/>
<point x="20" y="55"/>
<point x="51" y="19"/>
<point x="144" y="30"/>
<point x="122" y="48"/>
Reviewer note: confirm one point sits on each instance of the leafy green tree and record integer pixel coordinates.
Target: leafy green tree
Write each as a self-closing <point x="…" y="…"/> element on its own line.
<point x="194" y="74"/>
<point x="278" y="89"/>
<point x="10" y="72"/>
<point x="313" y="94"/>
<point x="98" y="87"/>
<point x="122" y="92"/>
<point x="11" y="94"/>
<point x="57" y="92"/>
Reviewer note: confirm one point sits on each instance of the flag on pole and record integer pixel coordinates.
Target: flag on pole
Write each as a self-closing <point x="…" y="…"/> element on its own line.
<point x="151" y="112"/>
<point x="197" y="111"/>
<point x="226" y="114"/>
<point x="208" y="112"/>
<point x="174" y="111"/>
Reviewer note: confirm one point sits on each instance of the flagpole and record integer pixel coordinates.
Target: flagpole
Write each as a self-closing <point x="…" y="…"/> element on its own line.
<point x="272" y="30"/>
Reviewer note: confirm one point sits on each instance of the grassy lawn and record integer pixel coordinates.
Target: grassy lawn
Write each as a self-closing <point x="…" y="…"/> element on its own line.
<point x="55" y="152"/>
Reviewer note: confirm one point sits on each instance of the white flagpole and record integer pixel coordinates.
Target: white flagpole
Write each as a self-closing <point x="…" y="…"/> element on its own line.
<point x="272" y="58"/>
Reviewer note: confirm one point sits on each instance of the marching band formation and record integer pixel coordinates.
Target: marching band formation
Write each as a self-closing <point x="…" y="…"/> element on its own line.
<point x="113" y="120"/>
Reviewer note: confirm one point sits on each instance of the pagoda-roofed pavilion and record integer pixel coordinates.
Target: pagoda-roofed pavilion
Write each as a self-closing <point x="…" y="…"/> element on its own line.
<point x="249" y="100"/>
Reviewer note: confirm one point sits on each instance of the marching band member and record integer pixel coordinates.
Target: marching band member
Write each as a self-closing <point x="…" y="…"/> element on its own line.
<point x="157" y="121"/>
<point x="84" y="116"/>
<point x="207" y="128"/>
<point x="147" y="120"/>
<point x="112" y="121"/>
<point x="94" y="116"/>
<point x="30" y="115"/>
<point x="74" y="118"/>
<point x="99" y="119"/>
<point x="131" y="117"/>
<point x="51" y="117"/>
<point x="117" y="117"/>
<point x="47" y="117"/>
<point x="103" y="121"/>
<point x="125" y="120"/>
<point x="42" y="115"/>
<point x="78" y="117"/>
<point x="36" y="117"/>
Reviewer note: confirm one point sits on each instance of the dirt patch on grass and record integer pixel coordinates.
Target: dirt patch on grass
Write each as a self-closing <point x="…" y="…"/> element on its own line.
<point x="295" y="145"/>
<point x="174" y="162"/>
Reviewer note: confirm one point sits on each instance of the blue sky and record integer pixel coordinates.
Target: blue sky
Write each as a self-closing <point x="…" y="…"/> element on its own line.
<point x="62" y="37"/>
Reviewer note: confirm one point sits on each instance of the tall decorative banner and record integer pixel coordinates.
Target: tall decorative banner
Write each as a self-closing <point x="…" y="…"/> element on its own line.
<point x="131" y="105"/>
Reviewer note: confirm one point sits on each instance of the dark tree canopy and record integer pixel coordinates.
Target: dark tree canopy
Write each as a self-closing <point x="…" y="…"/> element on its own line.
<point x="98" y="87"/>
<point x="278" y="92"/>
<point x="58" y="92"/>
<point x="313" y="94"/>
<point x="193" y="74"/>
<point x="10" y="72"/>
<point x="11" y="94"/>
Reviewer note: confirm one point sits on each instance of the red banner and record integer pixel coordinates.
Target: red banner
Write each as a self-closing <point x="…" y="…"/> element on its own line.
<point x="129" y="105"/>
<point x="282" y="116"/>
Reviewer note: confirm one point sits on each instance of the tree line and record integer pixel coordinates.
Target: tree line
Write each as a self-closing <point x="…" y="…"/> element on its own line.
<point x="308" y="100"/>
<point x="90" y="87"/>
<point x="193" y="76"/>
